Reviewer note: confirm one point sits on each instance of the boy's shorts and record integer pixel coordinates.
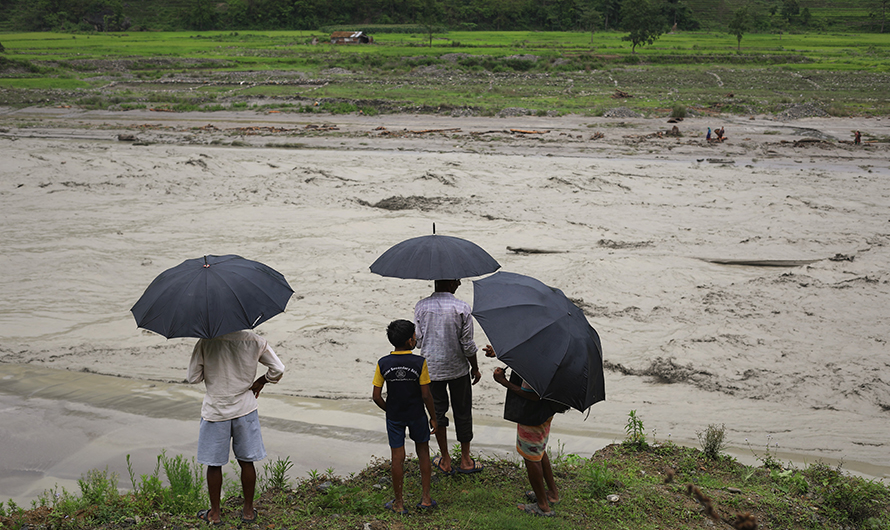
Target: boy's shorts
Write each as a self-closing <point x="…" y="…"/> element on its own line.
<point x="244" y="434"/>
<point x="531" y="440"/>
<point x="418" y="430"/>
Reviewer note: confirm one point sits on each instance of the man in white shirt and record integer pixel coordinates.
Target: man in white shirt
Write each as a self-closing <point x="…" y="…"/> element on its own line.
<point x="227" y="365"/>
<point x="444" y="328"/>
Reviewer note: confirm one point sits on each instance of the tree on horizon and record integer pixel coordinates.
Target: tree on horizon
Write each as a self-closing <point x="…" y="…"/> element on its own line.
<point x="880" y="12"/>
<point x="643" y="21"/>
<point x="740" y="24"/>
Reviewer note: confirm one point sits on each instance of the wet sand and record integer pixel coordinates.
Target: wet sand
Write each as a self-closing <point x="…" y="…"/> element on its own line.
<point x="634" y="223"/>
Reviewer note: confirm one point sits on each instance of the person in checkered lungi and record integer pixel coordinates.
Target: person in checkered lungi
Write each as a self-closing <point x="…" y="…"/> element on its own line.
<point x="533" y="416"/>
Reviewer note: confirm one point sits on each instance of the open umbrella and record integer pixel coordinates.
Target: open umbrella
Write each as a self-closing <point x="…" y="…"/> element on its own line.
<point x="211" y="296"/>
<point x="542" y="336"/>
<point x="435" y="257"/>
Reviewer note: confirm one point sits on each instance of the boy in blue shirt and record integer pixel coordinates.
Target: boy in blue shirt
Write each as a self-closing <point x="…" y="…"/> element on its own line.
<point x="408" y="392"/>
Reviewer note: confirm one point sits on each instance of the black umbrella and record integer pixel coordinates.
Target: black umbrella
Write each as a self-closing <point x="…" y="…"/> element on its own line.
<point x="435" y="257"/>
<point x="542" y="336"/>
<point x="211" y="296"/>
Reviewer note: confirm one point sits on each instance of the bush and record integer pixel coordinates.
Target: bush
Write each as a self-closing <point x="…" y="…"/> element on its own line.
<point x="712" y="440"/>
<point x="679" y="111"/>
<point x="600" y="481"/>
<point x="852" y="498"/>
<point x="838" y="109"/>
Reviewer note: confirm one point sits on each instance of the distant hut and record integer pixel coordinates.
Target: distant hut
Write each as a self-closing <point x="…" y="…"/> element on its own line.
<point x="351" y="37"/>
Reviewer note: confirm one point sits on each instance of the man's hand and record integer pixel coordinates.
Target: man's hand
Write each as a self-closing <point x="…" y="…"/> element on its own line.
<point x="258" y="385"/>
<point x="433" y="425"/>
<point x="500" y="375"/>
<point x="489" y="351"/>
<point x="477" y="375"/>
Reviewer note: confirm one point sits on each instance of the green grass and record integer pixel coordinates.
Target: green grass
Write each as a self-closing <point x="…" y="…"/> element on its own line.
<point x="652" y="483"/>
<point x="43" y="83"/>
<point x="571" y="74"/>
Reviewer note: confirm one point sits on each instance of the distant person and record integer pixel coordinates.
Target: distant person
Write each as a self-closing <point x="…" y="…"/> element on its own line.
<point x="532" y="416"/>
<point x="857" y="138"/>
<point x="708" y="136"/>
<point x="719" y="133"/>
<point x="407" y="382"/>
<point x="445" y="337"/>
<point x="227" y="365"/>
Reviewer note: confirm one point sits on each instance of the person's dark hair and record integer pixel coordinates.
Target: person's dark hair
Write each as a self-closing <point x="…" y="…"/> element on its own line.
<point x="399" y="331"/>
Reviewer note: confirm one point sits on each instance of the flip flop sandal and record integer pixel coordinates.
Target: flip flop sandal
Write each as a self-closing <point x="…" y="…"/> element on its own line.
<point x="204" y="515"/>
<point x="245" y="520"/>
<point x="531" y="497"/>
<point x="391" y="507"/>
<point x="437" y="461"/>
<point x="477" y="467"/>
<point x="534" y="509"/>
<point x="422" y="507"/>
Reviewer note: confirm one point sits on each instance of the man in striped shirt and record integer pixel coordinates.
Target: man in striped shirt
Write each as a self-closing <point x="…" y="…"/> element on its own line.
<point x="444" y="328"/>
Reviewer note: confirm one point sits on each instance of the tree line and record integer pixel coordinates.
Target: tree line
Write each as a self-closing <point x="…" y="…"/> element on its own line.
<point x="642" y="18"/>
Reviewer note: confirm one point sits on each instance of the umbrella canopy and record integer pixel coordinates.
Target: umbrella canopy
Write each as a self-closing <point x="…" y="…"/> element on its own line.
<point x="542" y="336"/>
<point x="435" y="257"/>
<point x="211" y="296"/>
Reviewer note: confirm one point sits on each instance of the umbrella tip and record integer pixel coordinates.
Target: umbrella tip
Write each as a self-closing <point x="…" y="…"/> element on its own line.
<point x="434" y="228"/>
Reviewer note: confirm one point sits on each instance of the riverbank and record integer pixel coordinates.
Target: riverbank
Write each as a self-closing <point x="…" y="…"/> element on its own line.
<point x="648" y="485"/>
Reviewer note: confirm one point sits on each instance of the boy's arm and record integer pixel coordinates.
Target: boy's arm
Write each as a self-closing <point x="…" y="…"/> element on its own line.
<point x="377" y="396"/>
<point x="430" y="408"/>
<point x="501" y="377"/>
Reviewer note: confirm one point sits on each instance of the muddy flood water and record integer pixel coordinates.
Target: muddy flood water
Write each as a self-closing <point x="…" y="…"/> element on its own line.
<point x="748" y="291"/>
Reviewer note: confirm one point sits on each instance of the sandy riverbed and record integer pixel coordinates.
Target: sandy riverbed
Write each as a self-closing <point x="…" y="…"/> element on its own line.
<point x="633" y="225"/>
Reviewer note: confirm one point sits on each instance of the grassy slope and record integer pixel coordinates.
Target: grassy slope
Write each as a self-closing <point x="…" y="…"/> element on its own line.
<point x="651" y="482"/>
<point x="573" y="72"/>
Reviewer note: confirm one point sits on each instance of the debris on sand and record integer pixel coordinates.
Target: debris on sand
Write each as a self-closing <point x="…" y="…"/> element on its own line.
<point x="493" y="131"/>
<point x="621" y="112"/>
<point x="522" y="250"/>
<point x="608" y="243"/>
<point x="810" y="142"/>
<point x="523" y="131"/>
<point x="804" y="110"/>
<point x="427" y="131"/>
<point x="413" y="202"/>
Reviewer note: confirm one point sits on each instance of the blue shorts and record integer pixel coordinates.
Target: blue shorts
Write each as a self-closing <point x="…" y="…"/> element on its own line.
<point x="418" y="430"/>
<point x="244" y="434"/>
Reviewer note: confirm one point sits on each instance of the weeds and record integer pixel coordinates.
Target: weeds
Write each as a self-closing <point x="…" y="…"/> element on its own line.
<point x="850" y="499"/>
<point x="712" y="440"/>
<point x="768" y="458"/>
<point x="636" y="433"/>
<point x="678" y="111"/>
<point x="185" y="493"/>
<point x="599" y="480"/>
<point x="818" y="497"/>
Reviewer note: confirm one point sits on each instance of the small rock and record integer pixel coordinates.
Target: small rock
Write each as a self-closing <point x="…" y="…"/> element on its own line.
<point x="613" y="498"/>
